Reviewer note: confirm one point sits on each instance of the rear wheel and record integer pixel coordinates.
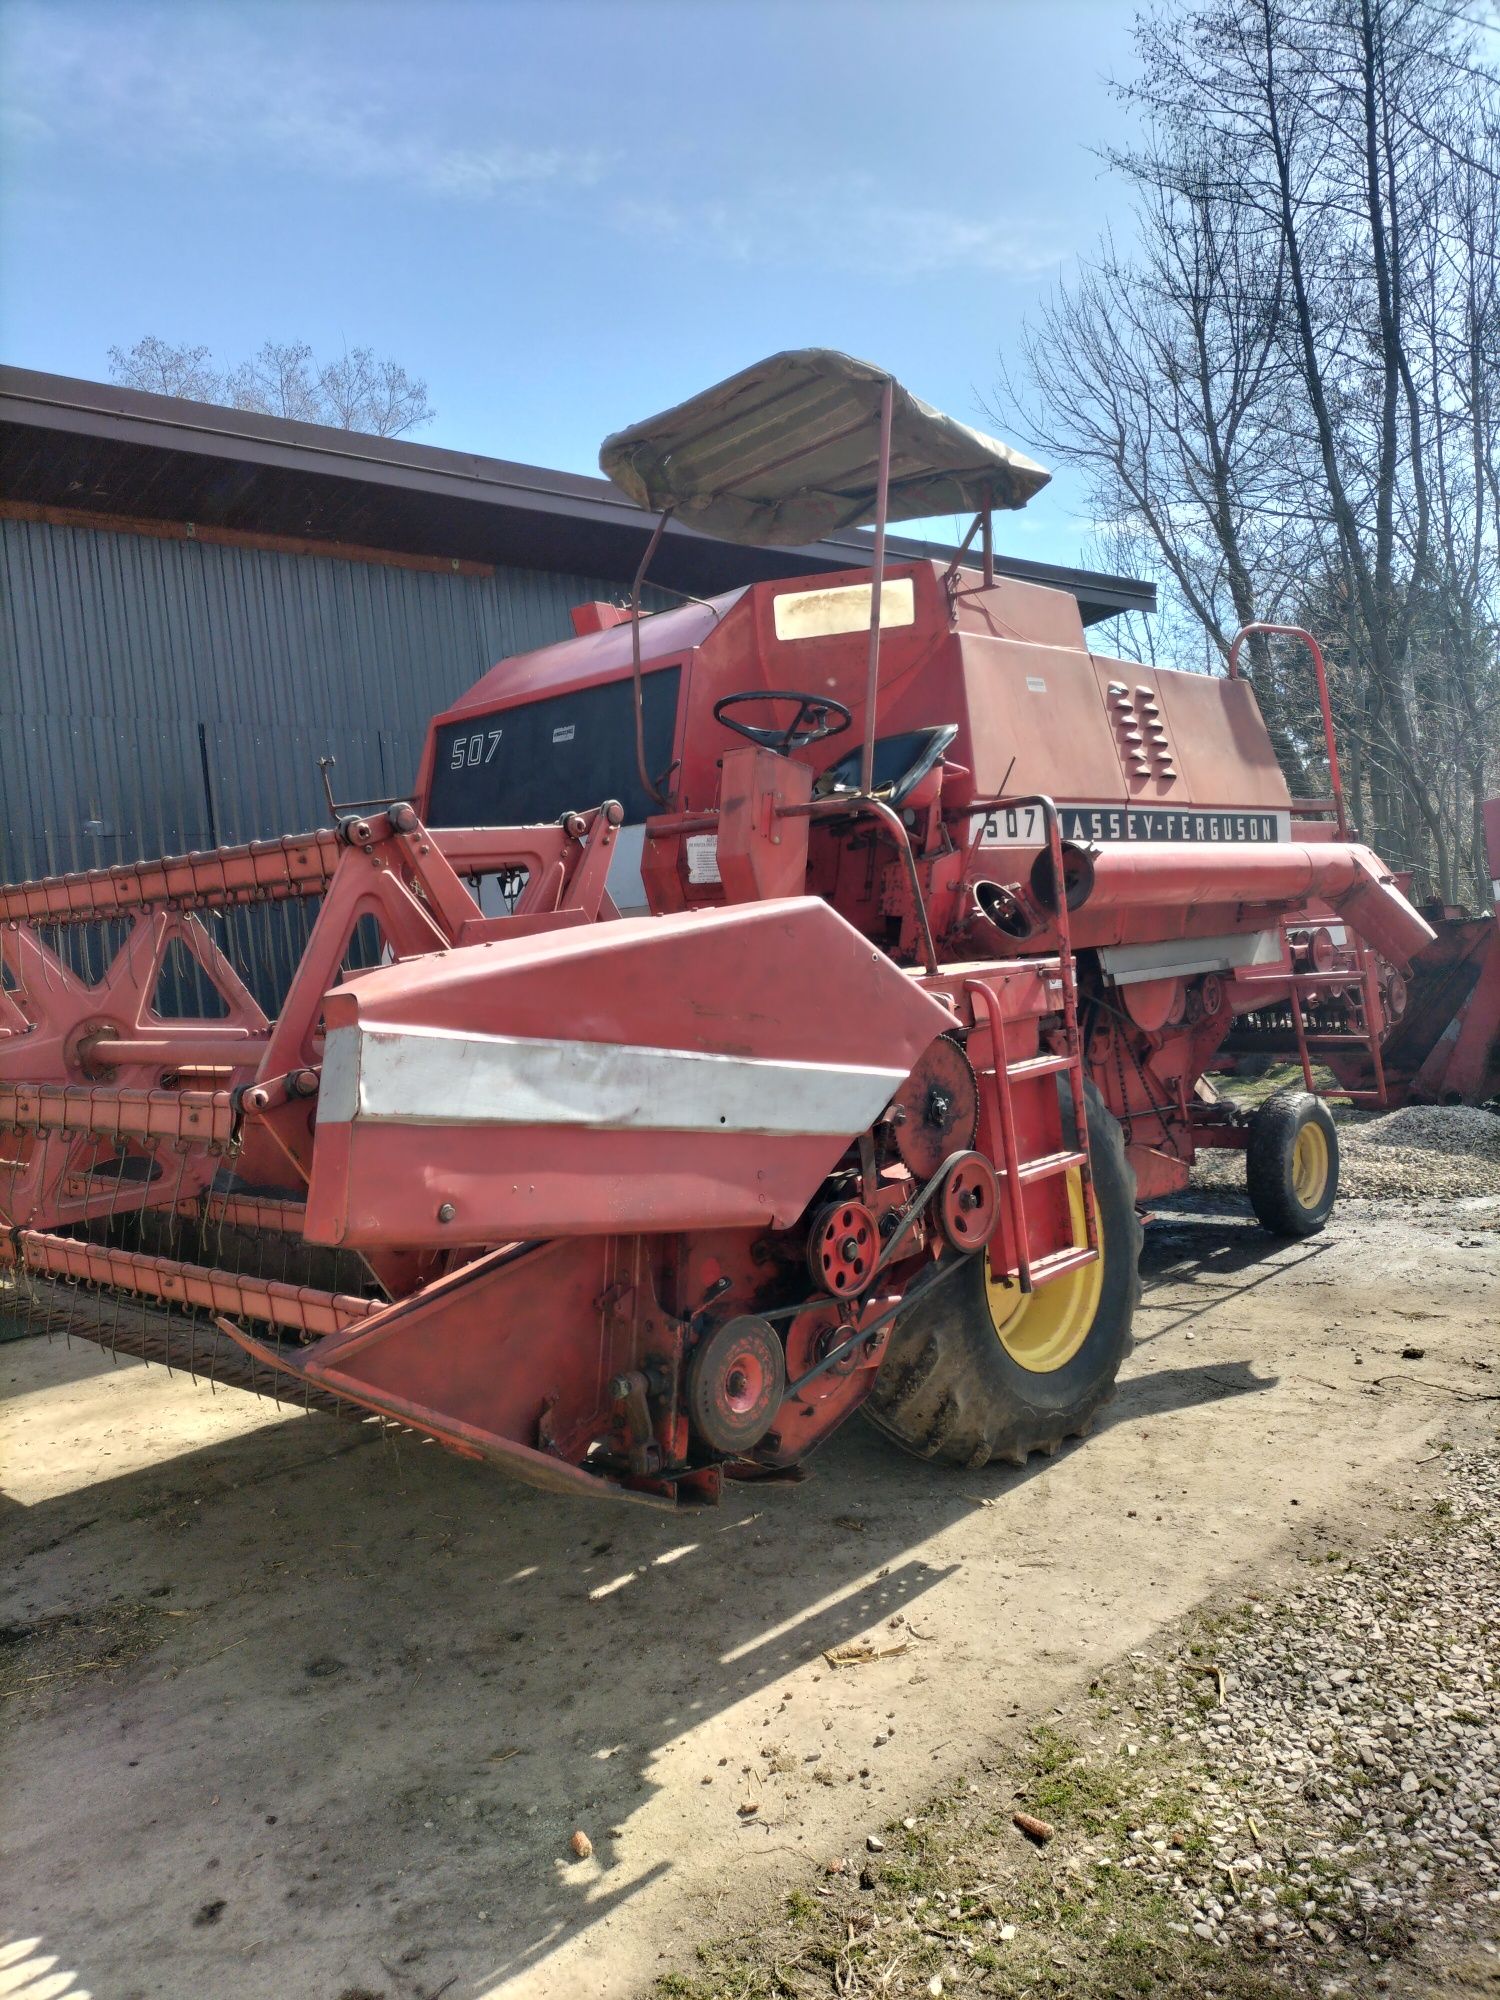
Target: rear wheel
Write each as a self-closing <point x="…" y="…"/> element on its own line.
<point x="983" y="1370"/>
<point x="1292" y="1163"/>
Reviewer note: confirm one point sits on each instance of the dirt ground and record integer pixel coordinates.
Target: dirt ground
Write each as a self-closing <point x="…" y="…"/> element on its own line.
<point x="290" y="1710"/>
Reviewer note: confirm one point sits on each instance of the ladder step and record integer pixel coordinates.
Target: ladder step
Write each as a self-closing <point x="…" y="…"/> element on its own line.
<point x="1039" y="1066"/>
<point x="1061" y="1262"/>
<point x="1047" y="1166"/>
<point x="1057" y="1265"/>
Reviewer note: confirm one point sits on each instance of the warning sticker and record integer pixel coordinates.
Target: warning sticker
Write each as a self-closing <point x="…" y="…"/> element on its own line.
<point x="703" y="857"/>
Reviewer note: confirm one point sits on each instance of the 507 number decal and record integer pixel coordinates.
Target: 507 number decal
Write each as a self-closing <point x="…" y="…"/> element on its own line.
<point x="1014" y="823"/>
<point x="476" y="749"/>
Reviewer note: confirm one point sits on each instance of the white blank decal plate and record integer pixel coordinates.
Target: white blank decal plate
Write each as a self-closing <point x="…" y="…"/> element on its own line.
<point x="824" y="614"/>
<point x="431" y="1076"/>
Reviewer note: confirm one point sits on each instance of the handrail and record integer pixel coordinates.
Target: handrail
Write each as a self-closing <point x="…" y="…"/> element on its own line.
<point x="877" y="575"/>
<point x="1336" y="783"/>
<point x="1368" y="979"/>
<point x="856" y="802"/>
<point x="1066" y="972"/>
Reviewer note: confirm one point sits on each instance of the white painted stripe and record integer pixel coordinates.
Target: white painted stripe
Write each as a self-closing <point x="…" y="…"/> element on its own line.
<point x="432" y="1076"/>
<point x="1183" y="958"/>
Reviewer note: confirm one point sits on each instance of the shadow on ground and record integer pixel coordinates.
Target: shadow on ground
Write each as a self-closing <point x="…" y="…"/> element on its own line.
<point x="476" y="1671"/>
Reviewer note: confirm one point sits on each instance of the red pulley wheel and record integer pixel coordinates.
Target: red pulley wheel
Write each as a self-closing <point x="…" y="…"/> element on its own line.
<point x="843" y="1249"/>
<point x="969" y="1204"/>
<point x="736" y="1381"/>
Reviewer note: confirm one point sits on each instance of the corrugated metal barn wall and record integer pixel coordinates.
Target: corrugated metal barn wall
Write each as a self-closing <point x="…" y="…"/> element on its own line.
<point x="158" y="695"/>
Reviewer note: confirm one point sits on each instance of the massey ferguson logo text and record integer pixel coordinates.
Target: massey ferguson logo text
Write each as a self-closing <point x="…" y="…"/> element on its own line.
<point x="1091" y="823"/>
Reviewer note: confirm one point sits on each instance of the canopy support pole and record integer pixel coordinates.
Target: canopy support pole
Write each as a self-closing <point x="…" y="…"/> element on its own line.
<point x="648" y="784"/>
<point x="989" y="546"/>
<point x="950" y="574"/>
<point x="882" y="501"/>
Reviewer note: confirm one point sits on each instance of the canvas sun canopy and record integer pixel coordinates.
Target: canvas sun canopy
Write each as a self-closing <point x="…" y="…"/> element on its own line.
<point x="787" y="451"/>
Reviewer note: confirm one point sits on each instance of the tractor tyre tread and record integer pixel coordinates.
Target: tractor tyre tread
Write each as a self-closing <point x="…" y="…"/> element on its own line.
<point x="947" y="1391"/>
<point x="1268" y="1164"/>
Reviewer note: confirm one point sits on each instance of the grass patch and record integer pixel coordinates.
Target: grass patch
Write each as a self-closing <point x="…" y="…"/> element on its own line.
<point x="963" y="1897"/>
<point x="1069" y="1790"/>
<point x="48" y="1654"/>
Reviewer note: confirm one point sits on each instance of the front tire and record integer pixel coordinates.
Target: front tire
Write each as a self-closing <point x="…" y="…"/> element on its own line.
<point x="981" y="1370"/>
<point x="1292" y="1164"/>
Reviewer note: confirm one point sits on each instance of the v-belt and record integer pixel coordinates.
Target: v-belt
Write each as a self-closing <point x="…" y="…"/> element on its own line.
<point x="944" y="1268"/>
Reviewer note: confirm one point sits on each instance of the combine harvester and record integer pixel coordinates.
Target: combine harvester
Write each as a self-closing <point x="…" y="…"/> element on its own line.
<point x="1429" y="1036"/>
<point x="823" y="1064"/>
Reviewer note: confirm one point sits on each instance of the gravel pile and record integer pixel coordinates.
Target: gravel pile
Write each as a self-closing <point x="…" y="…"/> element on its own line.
<point x="1441" y="1151"/>
<point x="1352" y="1795"/>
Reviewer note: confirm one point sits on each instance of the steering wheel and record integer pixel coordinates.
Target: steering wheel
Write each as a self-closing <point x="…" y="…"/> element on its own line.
<point x="817" y="716"/>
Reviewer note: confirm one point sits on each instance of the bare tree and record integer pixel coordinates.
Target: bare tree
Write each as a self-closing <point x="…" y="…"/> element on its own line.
<point x="1287" y="391"/>
<point x="368" y="394"/>
<point x="1458" y="314"/>
<point x="279" y="381"/>
<point x="165" y="370"/>
<point x="1160" y="375"/>
<point x="355" y="391"/>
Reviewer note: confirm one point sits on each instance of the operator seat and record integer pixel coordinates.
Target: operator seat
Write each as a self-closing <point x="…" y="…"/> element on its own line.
<point x="901" y="763"/>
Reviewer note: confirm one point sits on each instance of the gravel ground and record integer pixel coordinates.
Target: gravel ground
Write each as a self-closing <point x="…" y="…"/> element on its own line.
<point x="1298" y="1796"/>
<point x="1440" y="1151"/>
<point x="1352" y="1787"/>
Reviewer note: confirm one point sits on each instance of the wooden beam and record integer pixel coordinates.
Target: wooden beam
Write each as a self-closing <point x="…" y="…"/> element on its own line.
<point x="236" y="538"/>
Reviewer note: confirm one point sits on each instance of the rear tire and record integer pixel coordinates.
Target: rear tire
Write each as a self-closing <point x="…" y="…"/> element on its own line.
<point x="955" y="1384"/>
<point x="1292" y="1164"/>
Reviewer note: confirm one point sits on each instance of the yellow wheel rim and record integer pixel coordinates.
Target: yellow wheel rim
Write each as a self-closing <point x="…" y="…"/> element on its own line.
<point x="1041" y="1331"/>
<point x="1310" y="1165"/>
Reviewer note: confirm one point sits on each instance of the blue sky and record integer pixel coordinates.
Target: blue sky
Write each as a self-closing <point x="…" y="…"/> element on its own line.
<point x="565" y="216"/>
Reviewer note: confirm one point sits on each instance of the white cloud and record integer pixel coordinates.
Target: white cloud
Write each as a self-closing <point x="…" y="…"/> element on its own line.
<point x="199" y="89"/>
<point x="850" y="224"/>
<point x="193" y="88"/>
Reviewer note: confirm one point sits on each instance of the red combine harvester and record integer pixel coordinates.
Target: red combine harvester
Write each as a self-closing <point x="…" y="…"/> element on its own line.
<point x="822" y="1065"/>
<point x="1428" y="1035"/>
